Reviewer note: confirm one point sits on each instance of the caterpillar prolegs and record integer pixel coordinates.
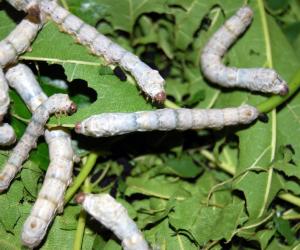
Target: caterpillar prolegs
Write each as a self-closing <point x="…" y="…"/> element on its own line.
<point x="256" y="79"/>
<point x="58" y="103"/>
<point x="110" y="124"/>
<point x="50" y="199"/>
<point x="7" y="134"/>
<point x="59" y="173"/>
<point x="114" y="216"/>
<point x="149" y="80"/>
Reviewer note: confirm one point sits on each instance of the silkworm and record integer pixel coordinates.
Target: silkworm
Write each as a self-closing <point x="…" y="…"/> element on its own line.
<point x="7" y="134"/>
<point x="148" y="79"/>
<point x="21" y="78"/>
<point x="51" y="196"/>
<point x="59" y="173"/>
<point x="18" y="41"/>
<point x="256" y="79"/>
<point x="110" y="124"/>
<point x="114" y="216"/>
<point x="58" y="103"/>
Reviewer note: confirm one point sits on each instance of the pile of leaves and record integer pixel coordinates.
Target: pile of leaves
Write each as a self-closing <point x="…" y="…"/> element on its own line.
<point x="234" y="188"/>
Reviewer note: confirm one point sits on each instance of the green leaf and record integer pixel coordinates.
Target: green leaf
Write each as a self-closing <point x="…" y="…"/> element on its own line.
<point x="260" y="195"/>
<point x="206" y="223"/>
<point x="123" y="14"/>
<point x="183" y="166"/>
<point x="157" y="187"/>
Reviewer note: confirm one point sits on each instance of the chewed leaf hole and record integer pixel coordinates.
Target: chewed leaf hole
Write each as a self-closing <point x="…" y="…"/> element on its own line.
<point x="81" y="94"/>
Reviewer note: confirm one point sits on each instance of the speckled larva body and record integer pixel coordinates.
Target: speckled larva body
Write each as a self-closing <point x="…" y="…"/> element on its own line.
<point x="17" y="42"/>
<point x="7" y="134"/>
<point x="50" y="199"/>
<point x="148" y="79"/>
<point x="59" y="172"/>
<point x="256" y="79"/>
<point x="114" y="216"/>
<point x="57" y="103"/>
<point x="22" y="4"/>
<point x="21" y="78"/>
<point x="110" y="124"/>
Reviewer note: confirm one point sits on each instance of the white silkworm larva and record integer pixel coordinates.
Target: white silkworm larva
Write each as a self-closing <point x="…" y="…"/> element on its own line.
<point x="59" y="173"/>
<point x="18" y="41"/>
<point x="256" y="79"/>
<point x="114" y="216"/>
<point x="110" y="124"/>
<point x="7" y="134"/>
<point x="21" y="78"/>
<point x="148" y="79"/>
<point x="58" y="103"/>
<point x="51" y="196"/>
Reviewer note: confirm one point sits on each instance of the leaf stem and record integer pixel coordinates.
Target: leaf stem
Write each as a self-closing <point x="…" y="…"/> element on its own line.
<point x="81" y="220"/>
<point x="170" y="104"/>
<point x="275" y="101"/>
<point x="290" y="198"/>
<point x="64" y="4"/>
<point x="85" y="171"/>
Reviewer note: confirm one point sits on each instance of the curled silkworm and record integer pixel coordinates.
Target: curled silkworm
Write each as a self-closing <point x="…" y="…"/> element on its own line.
<point x="148" y="79"/>
<point x="110" y="124"/>
<point x="18" y="41"/>
<point x="256" y="79"/>
<point x="7" y="134"/>
<point x="59" y="172"/>
<point x="114" y="216"/>
<point x="58" y="103"/>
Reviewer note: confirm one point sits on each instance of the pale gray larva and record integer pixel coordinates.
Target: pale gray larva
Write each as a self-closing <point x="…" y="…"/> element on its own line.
<point x="51" y="196"/>
<point x="59" y="172"/>
<point x="148" y="79"/>
<point x="256" y="79"/>
<point x="7" y="134"/>
<point x="17" y="42"/>
<point x="114" y="216"/>
<point x="21" y="78"/>
<point x="58" y="103"/>
<point x="110" y="124"/>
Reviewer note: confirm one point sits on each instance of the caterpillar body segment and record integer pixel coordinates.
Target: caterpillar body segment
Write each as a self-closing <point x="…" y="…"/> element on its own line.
<point x="7" y="134"/>
<point x="59" y="172"/>
<point x="23" y="5"/>
<point x="58" y="103"/>
<point x="114" y="216"/>
<point x="21" y="78"/>
<point x="18" y="41"/>
<point x="110" y="124"/>
<point x="256" y="79"/>
<point x="50" y="199"/>
<point x="149" y="80"/>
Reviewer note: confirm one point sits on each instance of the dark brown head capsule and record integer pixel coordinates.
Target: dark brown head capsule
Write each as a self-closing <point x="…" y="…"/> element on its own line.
<point x="79" y="198"/>
<point x="34" y="14"/>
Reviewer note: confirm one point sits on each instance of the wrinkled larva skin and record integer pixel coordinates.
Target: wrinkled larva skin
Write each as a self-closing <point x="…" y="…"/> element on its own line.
<point x="256" y="79"/>
<point x="7" y="134"/>
<point x="148" y="79"/>
<point x="59" y="172"/>
<point x="58" y="103"/>
<point x="17" y="42"/>
<point x="50" y="199"/>
<point x="110" y="124"/>
<point x="21" y="78"/>
<point x="114" y="216"/>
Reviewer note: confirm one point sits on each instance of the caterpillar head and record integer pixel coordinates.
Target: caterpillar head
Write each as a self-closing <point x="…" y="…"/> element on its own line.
<point x="80" y="197"/>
